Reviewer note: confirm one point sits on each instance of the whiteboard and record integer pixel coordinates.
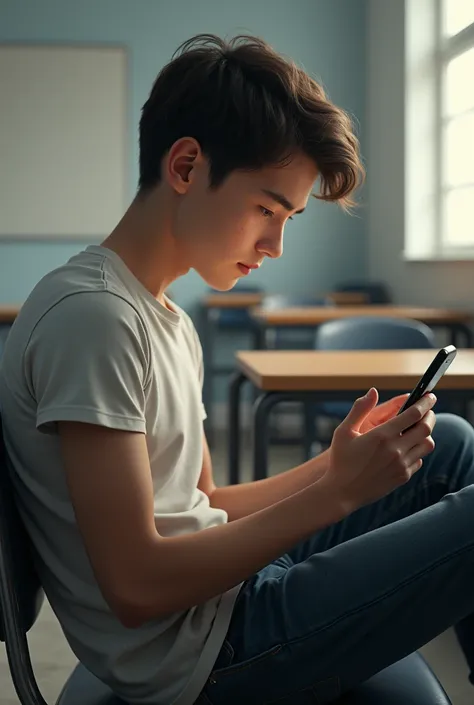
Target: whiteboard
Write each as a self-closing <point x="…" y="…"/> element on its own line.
<point x="63" y="138"/>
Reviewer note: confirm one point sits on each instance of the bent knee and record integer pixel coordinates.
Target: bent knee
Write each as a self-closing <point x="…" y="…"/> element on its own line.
<point x="453" y="428"/>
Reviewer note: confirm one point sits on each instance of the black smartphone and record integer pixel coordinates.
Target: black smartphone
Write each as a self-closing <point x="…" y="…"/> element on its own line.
<point x="432" y="375"/>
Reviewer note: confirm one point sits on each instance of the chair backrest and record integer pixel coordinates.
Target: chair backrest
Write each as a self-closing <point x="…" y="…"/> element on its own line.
<point x="21" y="595"/>
<point x="376" y="292"/>
<point x="373" y="333"/>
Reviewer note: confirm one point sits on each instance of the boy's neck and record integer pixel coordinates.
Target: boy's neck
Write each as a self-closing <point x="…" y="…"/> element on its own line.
<point x="143" y="240"/>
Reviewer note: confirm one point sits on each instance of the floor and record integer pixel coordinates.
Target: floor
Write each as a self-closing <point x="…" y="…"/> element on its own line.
<point x="53" y="660"/>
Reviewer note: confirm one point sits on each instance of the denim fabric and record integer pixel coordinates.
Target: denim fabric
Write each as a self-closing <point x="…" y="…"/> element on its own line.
<point x="360" y="594"/>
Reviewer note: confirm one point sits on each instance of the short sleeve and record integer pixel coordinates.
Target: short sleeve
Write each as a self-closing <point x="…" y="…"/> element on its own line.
<point x="88" y="360"/>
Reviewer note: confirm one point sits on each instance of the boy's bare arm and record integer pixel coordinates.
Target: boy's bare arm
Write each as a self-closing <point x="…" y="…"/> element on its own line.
<point x="143" y="575"/>
<point x="249" y="497"/>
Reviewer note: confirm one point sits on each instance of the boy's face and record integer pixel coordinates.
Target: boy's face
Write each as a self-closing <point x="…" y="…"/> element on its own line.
<point x="223" y="231"/>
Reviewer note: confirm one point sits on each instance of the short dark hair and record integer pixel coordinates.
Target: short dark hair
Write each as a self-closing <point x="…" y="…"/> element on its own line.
<point x="248" y="107"/>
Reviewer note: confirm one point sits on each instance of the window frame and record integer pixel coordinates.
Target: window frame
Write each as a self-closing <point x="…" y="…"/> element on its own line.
<point x="447" y="48"/>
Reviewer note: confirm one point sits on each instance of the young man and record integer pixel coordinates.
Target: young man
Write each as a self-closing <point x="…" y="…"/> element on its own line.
<point x="168" y="588"/>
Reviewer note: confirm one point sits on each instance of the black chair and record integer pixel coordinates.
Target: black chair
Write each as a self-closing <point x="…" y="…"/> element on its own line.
<point x="21" y="597"/>
<point x="408" y="682"/>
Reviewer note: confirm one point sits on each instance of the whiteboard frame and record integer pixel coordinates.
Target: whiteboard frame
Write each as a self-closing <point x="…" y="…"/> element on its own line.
<point x="122" y="47"/>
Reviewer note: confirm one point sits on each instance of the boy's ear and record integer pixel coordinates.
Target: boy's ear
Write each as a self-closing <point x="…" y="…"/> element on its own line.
<point x="184" y="155"/>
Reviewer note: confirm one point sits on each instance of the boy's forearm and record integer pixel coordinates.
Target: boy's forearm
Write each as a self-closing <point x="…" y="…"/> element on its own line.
<point x="249" y="497"/>
<point x="186" y="570"/>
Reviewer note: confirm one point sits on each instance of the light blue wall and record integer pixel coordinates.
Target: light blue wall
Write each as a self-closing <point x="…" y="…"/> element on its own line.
<point x="326" y="36"/>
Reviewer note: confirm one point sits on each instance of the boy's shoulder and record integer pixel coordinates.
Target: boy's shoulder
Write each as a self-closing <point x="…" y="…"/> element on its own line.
<point x="78" y="288"/>
<point x="76" y="301"/>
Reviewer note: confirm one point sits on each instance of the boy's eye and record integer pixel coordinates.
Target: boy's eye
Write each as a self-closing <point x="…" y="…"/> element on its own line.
<point x="266" y="212"/>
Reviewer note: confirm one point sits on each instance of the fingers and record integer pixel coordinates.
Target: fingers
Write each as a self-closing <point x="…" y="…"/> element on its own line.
<point x="403" y="466"/>
<point x="406" y="452"/>
<point x="423" y="429"/>
<point x="415" y="443"/>
<point x="420" y="451"/>
<point x="359" y="410"/>
<point x="398" y="400"/>
<point x="414" y="468"/>
<point x="413" y="415"/>
<point x="401" y="454"/>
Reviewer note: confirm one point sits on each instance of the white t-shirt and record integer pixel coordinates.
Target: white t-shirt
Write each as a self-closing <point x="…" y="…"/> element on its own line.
<point x="91" y="344"/>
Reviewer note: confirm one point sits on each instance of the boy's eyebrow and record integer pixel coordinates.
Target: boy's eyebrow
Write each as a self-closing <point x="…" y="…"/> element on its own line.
<point x="282" y="200"/>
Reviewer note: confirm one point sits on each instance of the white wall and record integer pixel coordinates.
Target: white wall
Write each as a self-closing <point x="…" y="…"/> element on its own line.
<point x="62" y="140"/>
<point x="424" y="283"/>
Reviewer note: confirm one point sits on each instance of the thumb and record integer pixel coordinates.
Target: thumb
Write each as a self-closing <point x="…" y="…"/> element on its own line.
<point x="360" y="410"/>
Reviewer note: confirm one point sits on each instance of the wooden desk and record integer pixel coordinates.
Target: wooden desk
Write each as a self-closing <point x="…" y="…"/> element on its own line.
<point x="209" y="313"/>
<point x="312" y="316"/>
<point x="320" y="376"/>
<point x="232" y="300"/>
<point x="8" y="313"/>
<point x="246" y="300"/>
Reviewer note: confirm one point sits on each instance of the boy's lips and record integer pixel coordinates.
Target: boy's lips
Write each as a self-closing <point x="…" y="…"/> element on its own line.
<point x="250" y="266"/>
<point x="246" y="268"/>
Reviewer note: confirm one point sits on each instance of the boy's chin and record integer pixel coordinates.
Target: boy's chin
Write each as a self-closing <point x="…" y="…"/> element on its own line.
<point x="220" y="283"/>
<point x="226" y="287"/>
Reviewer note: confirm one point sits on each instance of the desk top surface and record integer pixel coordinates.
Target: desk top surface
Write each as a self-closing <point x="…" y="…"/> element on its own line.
<point x="234" y="299"/>
<point x="309" y="315"/>
<point x="314" y="370"/>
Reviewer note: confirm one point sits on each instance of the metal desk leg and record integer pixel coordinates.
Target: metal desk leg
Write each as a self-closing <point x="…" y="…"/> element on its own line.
<point x="235" y="388"/>
<point x="262" y="409"/>
<point x="458" y="330"/>
<point x="258" y="334"/>
<point x="453" y="336"/>
<point x="466" y="331"/>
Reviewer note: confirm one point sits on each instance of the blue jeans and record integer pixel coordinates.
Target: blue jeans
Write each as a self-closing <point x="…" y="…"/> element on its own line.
<point x="361" y="594"/>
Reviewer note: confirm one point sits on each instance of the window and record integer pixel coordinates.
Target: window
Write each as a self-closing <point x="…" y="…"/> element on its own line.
<point x="439" y="129"/>
<point x="455" y="69"/>
<point x="457" y="15"/>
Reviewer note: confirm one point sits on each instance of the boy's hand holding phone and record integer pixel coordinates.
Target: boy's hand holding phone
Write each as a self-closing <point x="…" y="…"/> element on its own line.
<point x="383" y="412"/>
<point x="364" y="467"/>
